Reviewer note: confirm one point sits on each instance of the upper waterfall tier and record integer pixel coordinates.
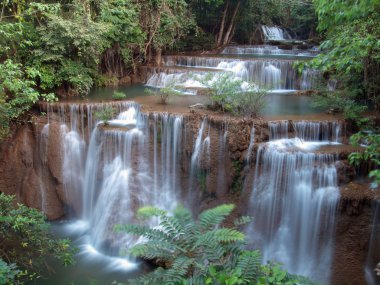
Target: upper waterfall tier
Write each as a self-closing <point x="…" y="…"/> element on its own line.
<point x="275" y="33"/>
<point x="269" y="50"/>
<point x="269" y="74"/>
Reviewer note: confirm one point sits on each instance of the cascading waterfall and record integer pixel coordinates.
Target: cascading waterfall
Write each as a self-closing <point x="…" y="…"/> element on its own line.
<point x="199" y="159"/>
<point x="278" y="129"/>
<point x="319" y="131"/>
<point x="110" y="168"/>
<point x="43" y="152"/>
<point x="269" y="74"/>
<point x="120" y="173"/>
<point x="310" y="79"/>
<point x="275" y="33"/>
<point x="268" y="50"/>
<point x="74" y="148"/>
<point x="293" y="201"/>
<point x="251" y="144"/>
<point x="310" y="131"/>
<point x="374" y="244"/>
<point x="221" y="182"/>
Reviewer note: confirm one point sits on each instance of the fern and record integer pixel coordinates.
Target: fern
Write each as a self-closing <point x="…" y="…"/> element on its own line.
<point x="199" y="252"/>
<point x="210" y="218"/>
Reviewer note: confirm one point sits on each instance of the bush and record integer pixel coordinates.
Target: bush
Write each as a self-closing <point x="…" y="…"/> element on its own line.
<point x="250" y="103"/>
<point x="201" y="252"/>
<point x="232" y="94"/>
<point x="118" y="95"/>
<point x="105" y="114"/>
<point x="371" y="154"/>
<point x="165" y="93"/>
<point x="26" y="243"/>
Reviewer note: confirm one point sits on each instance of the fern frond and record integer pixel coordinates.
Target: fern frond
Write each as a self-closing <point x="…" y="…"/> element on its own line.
<point x="148" y="212"/>
<point x="153" y="250"/>
<point x="242" y="221"/>
<point x="137" y="230"/>
<point x="183" y="215"/>
<point x="213" y="217"/>
<point x="223" y="235"/>
<point x="249" y="263"/>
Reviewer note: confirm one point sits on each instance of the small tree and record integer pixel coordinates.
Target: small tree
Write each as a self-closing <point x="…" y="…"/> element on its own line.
<point x="165" y="93"/>
<point x="234" y="95"/>
<point x="250" y="103"/>
<point x="201" y="252"/>
<point x="117" y="95"/>
<point x="25" y="243"/>
<point x="105" y="114"/>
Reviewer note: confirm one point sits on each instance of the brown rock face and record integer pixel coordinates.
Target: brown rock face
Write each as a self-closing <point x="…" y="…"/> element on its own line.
<point x="355" y="215"/>
<point x="20" y="173"/>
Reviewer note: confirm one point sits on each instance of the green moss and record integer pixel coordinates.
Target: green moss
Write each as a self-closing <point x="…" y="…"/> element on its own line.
<point x="237" y="181"/>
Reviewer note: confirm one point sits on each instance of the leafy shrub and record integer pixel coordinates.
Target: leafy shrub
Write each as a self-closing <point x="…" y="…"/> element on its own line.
<point x="165" y="93"/>
<point x="105" y="114"/>
<point x="371" y="153"/>
<point x="118" y="95"/>
<point x="27" y="243"/>
<point x="201" y="252"/>
<point x="232" y="94"/>
<point x="250" y="102"/>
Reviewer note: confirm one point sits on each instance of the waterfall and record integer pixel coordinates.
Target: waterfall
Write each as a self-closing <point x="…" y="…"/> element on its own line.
<point x="251" y="144"/>
<point x="293" y="203"/>
<point x="319" y="131"/>
<point x="110" y="170"/>
<point x="121" y="174"/>
<point x="198" y="165"/>
<point x="295" y="196"/>
<point x="275" y="33"/>
<point x="268" y="73"/>
<point x="278" y="129"/>
<point x="374" y="244"/>
<point x="268" y="50"/>
<point x="43" y="148"/>
<point x="74" y="148"/>
<point x="310" y="131"/>
<point x="311" y="79"/>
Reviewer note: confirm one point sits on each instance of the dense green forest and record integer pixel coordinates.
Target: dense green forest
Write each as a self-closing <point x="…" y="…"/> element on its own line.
<point x="50" y="49"/>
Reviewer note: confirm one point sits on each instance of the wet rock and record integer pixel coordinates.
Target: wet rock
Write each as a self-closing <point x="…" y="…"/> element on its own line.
<point x="345" y="171"/>
<point x="19" y="173"/>
<point x="126" y="80"/>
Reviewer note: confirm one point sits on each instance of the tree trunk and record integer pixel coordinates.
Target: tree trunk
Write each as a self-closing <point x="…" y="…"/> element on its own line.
<point x="232" y="24"/>
<point x="157" y="57"/>
<point x="221" y="30"/>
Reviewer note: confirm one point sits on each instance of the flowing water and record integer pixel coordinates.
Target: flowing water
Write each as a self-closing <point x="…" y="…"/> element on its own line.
<point x="136" y="159"/>
<point x="294" y="198"/>
<point x="275" y="33"/>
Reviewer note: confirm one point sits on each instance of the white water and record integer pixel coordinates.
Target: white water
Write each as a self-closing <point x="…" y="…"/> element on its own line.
<point x="294" y="199"/>
<point x="275" y="33"/>
<point x="268" y="50"/>
<point x="308" y="131"/>
<point x="374" y="243"/>
<point x="268" y="74"/>
<point x="114" y="171"/>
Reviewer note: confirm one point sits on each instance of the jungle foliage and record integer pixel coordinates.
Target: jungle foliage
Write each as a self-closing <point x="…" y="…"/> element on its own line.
<point x="52" y="49"/>
<point x="26" y="243"/>
<point x="201" y="251"/>
<point x="351" y="56"/>
<point x="350" y="50"/>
